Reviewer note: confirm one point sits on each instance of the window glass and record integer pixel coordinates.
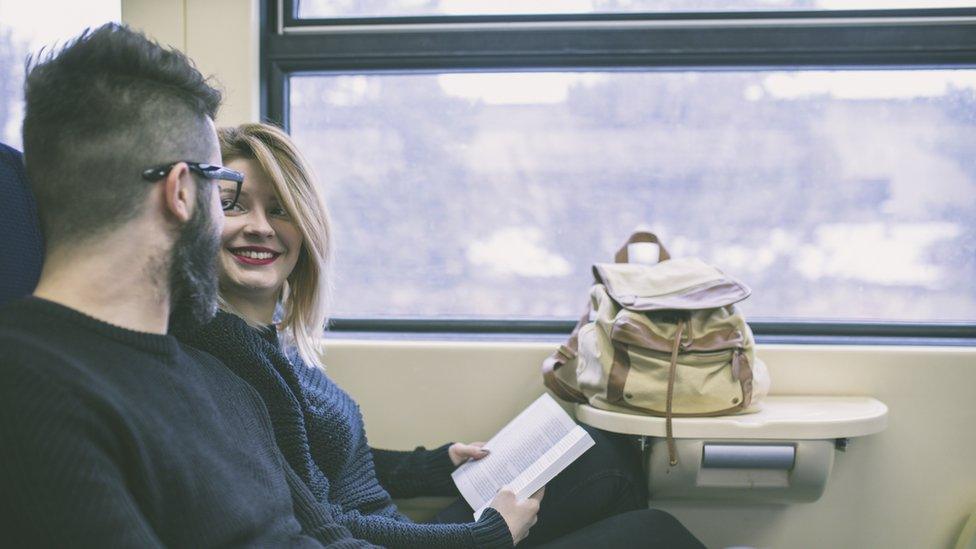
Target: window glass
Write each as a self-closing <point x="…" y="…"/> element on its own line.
<point x="405" y="8"/>
<point x="27" y="27"/>
<point x="835" y="195"/>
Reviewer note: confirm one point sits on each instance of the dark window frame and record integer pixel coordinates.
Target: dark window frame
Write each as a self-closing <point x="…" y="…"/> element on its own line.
<point x="931" y="38"/>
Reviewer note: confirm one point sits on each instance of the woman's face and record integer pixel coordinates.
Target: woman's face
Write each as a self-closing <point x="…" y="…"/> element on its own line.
<point x="260" y="243"/>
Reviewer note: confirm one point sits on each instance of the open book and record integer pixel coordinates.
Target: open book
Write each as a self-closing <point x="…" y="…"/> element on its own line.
<point x="525" y="455"/>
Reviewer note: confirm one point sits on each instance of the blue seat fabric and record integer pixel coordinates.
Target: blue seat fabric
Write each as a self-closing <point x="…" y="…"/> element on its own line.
<point x="21" y="242"/>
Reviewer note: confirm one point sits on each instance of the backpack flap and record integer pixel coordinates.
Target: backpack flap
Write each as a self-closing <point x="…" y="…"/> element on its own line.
<point x="684" y="284"/>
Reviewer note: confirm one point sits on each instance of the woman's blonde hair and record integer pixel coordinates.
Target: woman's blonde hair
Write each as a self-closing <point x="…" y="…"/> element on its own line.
<point x="304" y="298"/>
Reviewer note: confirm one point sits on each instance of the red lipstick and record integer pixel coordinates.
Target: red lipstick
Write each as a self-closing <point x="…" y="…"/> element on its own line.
<point x="254" y="255"/>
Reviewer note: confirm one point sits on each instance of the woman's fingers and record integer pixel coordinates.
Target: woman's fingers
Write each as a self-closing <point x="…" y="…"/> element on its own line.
<point x="474" y="450"/>
<point x="460" y="452"/>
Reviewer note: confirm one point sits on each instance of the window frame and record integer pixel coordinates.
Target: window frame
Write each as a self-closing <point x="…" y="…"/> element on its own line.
<point x="755" y="40"/>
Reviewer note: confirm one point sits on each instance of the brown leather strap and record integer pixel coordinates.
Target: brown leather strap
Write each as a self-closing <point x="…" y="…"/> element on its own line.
<point x="640" y="236"/>
<point x="561" y="356"/>
<point x="672" y="451"/>
<point x="619" y="371"/>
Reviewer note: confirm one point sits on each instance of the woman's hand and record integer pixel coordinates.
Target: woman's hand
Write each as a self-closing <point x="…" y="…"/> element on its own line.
<point x="519" y="516"/>
<point x="460" y="452"/>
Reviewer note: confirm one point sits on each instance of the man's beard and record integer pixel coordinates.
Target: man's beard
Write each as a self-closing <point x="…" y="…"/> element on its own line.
<point x="193" y="268"/>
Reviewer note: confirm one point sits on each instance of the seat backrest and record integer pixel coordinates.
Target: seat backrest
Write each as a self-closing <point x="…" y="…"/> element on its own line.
<point x="21" y="244"/>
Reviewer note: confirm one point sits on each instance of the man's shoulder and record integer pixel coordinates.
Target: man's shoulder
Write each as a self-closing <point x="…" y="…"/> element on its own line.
<point x="23" y="343"/>
<point x="11" y="311"/>
<point x="26" y="337"/>
<point x="25" y="319"/>
<point x="23" y="348"/>
<point x="32" y="371"/>
<point x="36" y="352"/>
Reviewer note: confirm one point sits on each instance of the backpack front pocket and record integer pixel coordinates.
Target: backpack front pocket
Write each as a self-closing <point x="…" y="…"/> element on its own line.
<point x="703" y="385"/>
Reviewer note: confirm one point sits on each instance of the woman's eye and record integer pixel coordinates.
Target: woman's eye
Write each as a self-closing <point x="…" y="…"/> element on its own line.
<point x="278" y="212"/>
<point x="225" y="202"/>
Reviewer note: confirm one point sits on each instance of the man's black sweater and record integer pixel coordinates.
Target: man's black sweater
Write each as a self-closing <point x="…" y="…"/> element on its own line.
<point x="111" y="437"/>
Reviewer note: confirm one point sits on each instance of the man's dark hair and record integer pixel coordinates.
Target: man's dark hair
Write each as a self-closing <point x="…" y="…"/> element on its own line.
<point x="99" y="111"/>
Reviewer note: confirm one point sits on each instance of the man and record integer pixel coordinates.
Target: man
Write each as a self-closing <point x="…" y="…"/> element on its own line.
<point x="111" y="432"/>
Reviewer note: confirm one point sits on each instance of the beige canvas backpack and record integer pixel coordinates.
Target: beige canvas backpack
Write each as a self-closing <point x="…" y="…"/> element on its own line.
<point x="663" y="339"/>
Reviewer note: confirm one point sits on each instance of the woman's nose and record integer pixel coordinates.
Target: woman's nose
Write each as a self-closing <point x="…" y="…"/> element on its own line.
<point x="257" y="225"/>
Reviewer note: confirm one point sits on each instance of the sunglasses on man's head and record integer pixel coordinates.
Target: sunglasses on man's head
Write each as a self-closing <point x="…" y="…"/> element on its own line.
<point x="210" y="171"/>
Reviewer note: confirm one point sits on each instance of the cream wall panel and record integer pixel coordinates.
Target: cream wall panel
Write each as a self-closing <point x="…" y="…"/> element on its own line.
<point x="221" y="36"/>
<point x="911" y="486"/>
<point x="163" y="20"/>
<point x="430" y="393"/>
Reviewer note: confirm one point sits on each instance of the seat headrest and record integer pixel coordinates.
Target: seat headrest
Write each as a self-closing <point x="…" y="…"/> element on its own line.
<point x="21" y="244"/>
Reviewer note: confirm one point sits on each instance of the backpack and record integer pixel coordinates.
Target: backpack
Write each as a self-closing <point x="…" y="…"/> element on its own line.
<point x="663" y="339"/>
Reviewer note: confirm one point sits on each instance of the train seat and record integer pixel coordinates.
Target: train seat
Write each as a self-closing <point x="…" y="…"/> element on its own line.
<point x="22" y="246"/>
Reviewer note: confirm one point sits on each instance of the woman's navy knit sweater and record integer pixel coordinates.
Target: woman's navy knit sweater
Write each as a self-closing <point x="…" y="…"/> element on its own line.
<point x="319" y="429"/>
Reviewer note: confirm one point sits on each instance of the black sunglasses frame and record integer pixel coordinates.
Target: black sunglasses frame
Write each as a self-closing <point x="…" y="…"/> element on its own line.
<point x="210" y="171"/>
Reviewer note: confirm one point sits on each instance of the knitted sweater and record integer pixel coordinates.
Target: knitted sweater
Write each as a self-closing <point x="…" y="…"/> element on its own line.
<point x="320" y="430"/>
<point x="115" y="438"/>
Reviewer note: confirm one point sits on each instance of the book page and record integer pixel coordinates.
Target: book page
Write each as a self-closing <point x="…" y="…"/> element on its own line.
<point x="548" y="465"/>
<point x="528" y="452"/>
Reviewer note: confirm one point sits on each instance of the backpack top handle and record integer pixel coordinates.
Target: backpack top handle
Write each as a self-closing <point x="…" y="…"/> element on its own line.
<point x="641" y="236"/>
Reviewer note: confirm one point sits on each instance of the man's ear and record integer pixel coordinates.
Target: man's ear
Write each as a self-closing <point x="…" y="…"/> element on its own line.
<point x="179" y="192"/>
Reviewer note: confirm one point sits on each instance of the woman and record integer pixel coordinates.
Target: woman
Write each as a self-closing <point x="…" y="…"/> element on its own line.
<point x="274" y="262"/>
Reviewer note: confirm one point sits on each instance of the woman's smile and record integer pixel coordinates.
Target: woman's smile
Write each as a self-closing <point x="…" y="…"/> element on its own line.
<point x="254" y="255"/>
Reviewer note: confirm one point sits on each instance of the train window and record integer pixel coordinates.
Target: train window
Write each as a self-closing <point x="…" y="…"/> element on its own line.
<point x="29" y="26"/>
<point x="837" y="195"/>
<point x="479" y="156"/>
<point x="308" y="9"/>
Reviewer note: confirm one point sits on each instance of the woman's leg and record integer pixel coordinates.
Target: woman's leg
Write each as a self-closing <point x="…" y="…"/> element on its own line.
<point x="606" y="480"/>
<point x="648" y="528"/>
